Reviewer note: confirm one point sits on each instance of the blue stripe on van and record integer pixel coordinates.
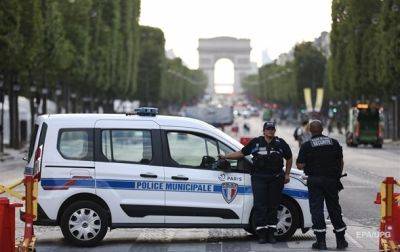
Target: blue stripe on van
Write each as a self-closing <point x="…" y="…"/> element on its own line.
<point x="145" y="185"/>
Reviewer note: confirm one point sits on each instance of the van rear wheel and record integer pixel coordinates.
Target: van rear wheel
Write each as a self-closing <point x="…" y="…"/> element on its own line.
<point x="84" y="223"/>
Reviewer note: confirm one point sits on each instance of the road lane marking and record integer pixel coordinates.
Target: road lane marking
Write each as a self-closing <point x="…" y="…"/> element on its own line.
<point x="350" y="238"/>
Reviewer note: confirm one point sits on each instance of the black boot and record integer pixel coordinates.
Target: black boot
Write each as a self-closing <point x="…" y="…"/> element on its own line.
<point x="271" y="235"/>
<point x="341" y="242"/>
<point x="320" y="244"/>
<point x="262" y="235"/>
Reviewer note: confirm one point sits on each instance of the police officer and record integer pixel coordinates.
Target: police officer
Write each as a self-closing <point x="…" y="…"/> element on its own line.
<point x="322" y="160"/>
<point x="267" y="178"/>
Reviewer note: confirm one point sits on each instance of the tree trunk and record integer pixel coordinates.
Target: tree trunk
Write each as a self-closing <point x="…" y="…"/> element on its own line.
<point x="74" y="105"/>
<point x="14" y="116"/>
<point x="33" y="110"/>
<point x="44" y="105"/>
<point x="66" y="98"/>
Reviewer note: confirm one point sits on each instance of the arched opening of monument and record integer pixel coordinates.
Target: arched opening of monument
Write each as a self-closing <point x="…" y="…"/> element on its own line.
<point x="224" y="76"/>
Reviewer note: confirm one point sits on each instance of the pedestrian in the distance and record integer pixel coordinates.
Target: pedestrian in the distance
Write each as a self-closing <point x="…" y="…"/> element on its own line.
<point x="267" y="179"/>
<point x="322" y="161"/>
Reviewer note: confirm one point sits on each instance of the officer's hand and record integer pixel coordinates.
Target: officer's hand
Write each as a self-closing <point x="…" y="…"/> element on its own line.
<point x="287" y="179"/>
<point x="220" y="156"/>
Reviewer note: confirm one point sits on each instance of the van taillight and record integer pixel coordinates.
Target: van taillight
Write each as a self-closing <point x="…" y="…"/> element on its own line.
<point x="38" y="154"/>
<point x="37" y="162"/>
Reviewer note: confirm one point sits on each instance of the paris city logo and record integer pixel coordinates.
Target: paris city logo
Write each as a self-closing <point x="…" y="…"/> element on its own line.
<point x="229" y="191"/>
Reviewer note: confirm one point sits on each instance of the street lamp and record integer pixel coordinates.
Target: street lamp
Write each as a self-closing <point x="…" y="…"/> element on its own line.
<point x="73" y="98"/>
<point x="58" y="94"/>
<point x="1" y="116"/>
<point x="86" y="104"/>
<point x="32" y="105"/>
<point x="45" y="92"/>
<point x="395" y="117"/>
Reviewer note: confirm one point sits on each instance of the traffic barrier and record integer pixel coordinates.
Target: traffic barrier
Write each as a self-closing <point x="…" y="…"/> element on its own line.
<point x="389" y="238"/>
<point x="245" y="140"/>
<point x="29" y="216"/>
<point x="7" y="224"/>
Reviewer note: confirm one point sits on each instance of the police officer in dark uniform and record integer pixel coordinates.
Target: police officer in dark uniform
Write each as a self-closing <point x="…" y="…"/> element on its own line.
<point x="267" y="178"/>
<point x="322" y="161"/>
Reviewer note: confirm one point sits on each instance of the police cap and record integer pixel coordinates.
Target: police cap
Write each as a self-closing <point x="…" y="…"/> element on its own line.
<point x="269" y="126"/>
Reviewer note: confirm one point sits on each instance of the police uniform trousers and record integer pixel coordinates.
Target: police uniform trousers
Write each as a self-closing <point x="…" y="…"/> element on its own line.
<point x="320" y="189"/>
<point x="267" y="191"/>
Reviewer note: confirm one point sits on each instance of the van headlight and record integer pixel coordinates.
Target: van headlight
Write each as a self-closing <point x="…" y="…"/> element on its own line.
<point x="300" y="177"/>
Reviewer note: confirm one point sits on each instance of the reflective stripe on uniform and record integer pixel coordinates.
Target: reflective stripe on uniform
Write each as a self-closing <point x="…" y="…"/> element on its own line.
<point x="319" y="230"/>
<point x="271" y="226"/>
<point x="340" y="229"/>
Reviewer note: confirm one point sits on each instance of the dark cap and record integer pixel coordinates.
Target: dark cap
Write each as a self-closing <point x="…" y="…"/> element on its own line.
<point x="269" y="125"/>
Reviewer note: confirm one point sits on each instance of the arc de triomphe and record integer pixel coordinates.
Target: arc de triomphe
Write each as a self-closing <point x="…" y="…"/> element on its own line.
<point x="236" y="50"/>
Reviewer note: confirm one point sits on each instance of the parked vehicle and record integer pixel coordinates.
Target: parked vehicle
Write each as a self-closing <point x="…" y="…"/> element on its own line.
<point x="99" y="171"/>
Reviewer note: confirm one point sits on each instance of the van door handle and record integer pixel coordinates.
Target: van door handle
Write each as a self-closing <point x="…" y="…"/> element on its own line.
<point x="179" y="178"/>
<point x="148" y="175"/>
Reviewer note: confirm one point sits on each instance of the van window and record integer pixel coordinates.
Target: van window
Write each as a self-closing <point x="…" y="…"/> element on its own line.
<point x="76" y="144"/>
<point x="127" y="145"/>
<point x="189" y="149"/>
<point x="224" y="150"/>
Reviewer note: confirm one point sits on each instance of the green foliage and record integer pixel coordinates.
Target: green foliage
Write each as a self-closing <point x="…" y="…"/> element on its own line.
<point x="10" y="36"/>
<point x="181" y="85"/>
<point x="309" y="68"/>
<point x="389" y="72"/>
<point x="274" y="83"/>
<point x="365" y="49"/>
<point x="93" y="48"/>
<point x="151" y="65"/>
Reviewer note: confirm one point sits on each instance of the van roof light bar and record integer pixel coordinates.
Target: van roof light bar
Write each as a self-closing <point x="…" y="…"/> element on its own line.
<point x="144" y="111"/>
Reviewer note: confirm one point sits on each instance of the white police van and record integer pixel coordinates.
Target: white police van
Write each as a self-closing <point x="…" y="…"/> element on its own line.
<point x="100" y="171"/>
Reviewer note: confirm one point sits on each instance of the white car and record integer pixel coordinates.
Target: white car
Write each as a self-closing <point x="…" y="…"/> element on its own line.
<point x="100" y="171"/>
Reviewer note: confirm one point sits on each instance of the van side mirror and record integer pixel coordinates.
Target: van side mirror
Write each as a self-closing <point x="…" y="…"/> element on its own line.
<point x="224" y="165"/>
<point x="207" y="161"/>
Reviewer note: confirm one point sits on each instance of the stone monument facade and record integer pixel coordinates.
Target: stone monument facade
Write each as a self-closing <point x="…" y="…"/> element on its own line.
<point x="236" y="50"/>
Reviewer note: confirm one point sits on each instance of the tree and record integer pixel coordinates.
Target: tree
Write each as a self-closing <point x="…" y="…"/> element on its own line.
<point x="309" y="68"/>
<point x="355" y="47"/>
<point x="76" y="23"/>
<point x="151" y="65"/>
<point x="10" y="44"/>
<point x="181" y="85"/>
<point x="389" y="72"/>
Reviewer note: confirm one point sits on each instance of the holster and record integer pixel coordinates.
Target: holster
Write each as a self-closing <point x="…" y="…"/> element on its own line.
<point x="339" y="185"/>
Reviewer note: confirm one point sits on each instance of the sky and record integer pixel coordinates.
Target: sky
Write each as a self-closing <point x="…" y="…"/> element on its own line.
<point x="272" y="25"/>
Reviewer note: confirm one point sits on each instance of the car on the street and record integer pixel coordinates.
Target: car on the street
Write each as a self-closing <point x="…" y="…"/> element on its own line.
<point x="100" y="171"/>
<point x="245" y="113"/>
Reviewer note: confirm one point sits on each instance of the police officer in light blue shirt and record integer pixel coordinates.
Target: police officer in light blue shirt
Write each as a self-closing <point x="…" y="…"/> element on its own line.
<point x="268" y="178"/>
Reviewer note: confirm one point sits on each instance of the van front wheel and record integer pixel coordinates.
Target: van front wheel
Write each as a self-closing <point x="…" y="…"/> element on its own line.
<point x="288" y="220"/>
<point x="84" y="223"/>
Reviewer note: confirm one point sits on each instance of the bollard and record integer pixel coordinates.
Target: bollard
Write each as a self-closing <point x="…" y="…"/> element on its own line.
<point x="7" y="224"/>
<point x="389" y="239"/>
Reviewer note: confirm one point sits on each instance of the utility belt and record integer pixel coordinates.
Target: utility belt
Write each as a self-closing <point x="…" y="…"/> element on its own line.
<point x="326" y="173"/>
<point x="267" y="165"/>
<point x="333" y="178"/>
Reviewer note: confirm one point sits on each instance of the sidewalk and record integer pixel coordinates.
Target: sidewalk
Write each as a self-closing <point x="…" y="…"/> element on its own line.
<point x="204" y="240"/>
<point x="13" y="154"/>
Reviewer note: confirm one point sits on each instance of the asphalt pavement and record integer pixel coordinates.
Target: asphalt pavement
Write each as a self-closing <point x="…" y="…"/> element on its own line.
<point x="366" y="168"/>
